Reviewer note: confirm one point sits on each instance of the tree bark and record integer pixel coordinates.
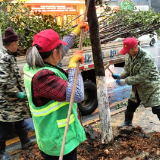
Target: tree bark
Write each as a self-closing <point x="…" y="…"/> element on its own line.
<point x="103" y="105"/>
<point x="0" y="38"/>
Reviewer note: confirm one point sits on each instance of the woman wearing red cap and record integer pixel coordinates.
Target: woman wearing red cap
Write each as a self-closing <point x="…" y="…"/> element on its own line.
<point x="49" y="89"/>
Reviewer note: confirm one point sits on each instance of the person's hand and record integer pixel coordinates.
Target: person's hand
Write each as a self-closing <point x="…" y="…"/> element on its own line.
<point x="77" y="56"/>
<point x="21" y="95"/>
<point x="116" y="76"/>
<point x="82" y="24"/>
<point x="121" y="82"/>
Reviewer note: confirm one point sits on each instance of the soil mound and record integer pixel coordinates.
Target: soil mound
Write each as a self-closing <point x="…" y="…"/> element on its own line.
<point x="129" y="143"/>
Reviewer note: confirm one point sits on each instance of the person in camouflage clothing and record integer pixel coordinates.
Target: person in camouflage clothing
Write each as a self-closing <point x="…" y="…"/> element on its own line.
<point x="141" y="72"/>
<point x="13" y="106"/>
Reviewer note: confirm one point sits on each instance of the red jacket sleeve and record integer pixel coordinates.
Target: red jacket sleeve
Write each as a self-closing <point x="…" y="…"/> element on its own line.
<point x="47" y="86"/>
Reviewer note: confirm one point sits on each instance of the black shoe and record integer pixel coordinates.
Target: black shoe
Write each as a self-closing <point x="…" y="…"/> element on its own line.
<point x="4" y="156"/>
<point x="158" y="115"/>
<point x="23" y="136"/>
<point x="125" y="123"/>
<point x="26" y="142"/>
<point x="128" y="119"/>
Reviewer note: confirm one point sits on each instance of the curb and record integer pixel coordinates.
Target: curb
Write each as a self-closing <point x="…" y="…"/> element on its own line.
<point x="14" y="146"/>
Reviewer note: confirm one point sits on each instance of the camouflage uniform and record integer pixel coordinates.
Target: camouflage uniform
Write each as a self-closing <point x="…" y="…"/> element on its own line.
<point x="10" y="84"/>
<point x="142" y="73"/>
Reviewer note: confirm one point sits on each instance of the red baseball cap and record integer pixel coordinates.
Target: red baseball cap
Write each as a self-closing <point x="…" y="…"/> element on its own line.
<point x="47" y="40"/>
<point x="128" y="43"/>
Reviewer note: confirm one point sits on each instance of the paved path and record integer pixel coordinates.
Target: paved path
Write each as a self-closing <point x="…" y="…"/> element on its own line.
<point x="142" y="117"/>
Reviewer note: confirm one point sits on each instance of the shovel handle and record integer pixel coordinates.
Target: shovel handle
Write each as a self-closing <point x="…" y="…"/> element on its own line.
<point x="69" y="111"/>
<point x="74" y="86"/>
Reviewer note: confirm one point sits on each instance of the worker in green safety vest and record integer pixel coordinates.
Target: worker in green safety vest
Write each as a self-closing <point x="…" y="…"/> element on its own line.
<point x="49" y="89"/>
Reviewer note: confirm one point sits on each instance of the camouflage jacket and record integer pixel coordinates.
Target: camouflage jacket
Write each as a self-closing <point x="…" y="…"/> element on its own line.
<point x="142" y="73"/>
<point x="10" y="84"/>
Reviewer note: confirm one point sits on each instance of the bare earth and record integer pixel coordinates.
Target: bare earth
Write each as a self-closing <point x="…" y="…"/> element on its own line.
<point x="140" y="142"/>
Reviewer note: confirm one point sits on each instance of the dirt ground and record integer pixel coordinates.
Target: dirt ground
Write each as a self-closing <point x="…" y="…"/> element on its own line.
<point x="140" y="142"/>
<point x="128" y="144"/>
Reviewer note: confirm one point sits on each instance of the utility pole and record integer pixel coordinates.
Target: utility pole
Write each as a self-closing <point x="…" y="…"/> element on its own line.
<point x="103" y="104"/>
<point x="149" y="3"/>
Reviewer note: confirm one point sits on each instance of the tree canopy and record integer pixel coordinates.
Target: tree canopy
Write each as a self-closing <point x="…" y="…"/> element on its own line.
<point x="121" y="23"/>
<point x="126" y="22"/>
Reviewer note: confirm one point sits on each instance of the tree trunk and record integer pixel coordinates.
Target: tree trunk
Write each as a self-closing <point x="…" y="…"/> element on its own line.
<point x="0" y="38"/>
<point x="0" y="32"/>
<point x="103" y="105"/>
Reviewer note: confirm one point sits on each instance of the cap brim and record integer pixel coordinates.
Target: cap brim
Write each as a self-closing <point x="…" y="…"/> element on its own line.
<point x="124" y="51"/>
<point x="63" y="42"/>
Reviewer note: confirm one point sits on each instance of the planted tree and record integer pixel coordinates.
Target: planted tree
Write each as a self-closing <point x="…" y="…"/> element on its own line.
<point x="122" y="23"/>
<point x="0" y="38"/>
<point x="103" y="104"/>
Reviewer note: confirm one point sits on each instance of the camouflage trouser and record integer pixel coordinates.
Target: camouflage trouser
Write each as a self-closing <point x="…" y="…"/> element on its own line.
<point x="132" y="106"/>
<point x="8" y="129"/>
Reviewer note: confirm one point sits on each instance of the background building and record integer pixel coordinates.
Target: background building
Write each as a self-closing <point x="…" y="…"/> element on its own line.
<point x="63" y="10"/>
<point x="141" y="4"/>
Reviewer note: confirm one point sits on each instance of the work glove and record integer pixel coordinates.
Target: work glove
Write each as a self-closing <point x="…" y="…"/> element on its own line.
<point x="116" y="76"/>
<point x="21" y="95"/>
<point x="77" y="30"/>
<point x="77" y="56"/>
<point x="121" y="82"/>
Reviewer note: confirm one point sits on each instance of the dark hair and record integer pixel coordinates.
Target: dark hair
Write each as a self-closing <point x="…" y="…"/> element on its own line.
<point x="45" y="55"/>
<point x="35" y="59"/>
<point x="7" y="44"/>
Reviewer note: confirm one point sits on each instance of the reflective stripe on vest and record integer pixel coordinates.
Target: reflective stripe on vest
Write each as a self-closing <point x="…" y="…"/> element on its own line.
<point x="45" y="111"/>
<point x="28" y="75"/>
<point x="62" y="122"/>
<point x="50" y="108"/>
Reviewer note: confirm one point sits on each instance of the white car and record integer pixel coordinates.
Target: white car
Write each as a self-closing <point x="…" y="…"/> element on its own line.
<point x="148" y="39"/>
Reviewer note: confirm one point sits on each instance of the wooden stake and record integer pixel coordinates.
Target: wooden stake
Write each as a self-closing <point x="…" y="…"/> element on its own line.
<point x="107" y="67"/>
<point x="69" y="111"/>
<point x="110" y="71"/>
<point x="73" y="89"/>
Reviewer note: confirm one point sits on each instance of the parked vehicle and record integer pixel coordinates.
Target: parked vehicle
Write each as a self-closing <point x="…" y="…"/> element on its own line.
<point x="148" y="39"/>
<point x="110" y="51"/>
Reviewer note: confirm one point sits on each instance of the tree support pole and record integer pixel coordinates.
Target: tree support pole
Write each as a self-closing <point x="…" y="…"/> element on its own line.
<point x="74" y="87"/>
<point x="103" y="105"/>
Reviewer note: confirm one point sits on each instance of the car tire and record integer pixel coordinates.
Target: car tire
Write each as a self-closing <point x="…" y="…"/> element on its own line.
<point x="152" y="42"/>
<point x="90" y="102"/>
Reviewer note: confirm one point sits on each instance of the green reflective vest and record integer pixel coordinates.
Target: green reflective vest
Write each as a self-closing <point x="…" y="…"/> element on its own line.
<point x="50" y="120"/>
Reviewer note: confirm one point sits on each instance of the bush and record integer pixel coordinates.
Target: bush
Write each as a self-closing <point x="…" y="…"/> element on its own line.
<point x="26" y="24"/>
